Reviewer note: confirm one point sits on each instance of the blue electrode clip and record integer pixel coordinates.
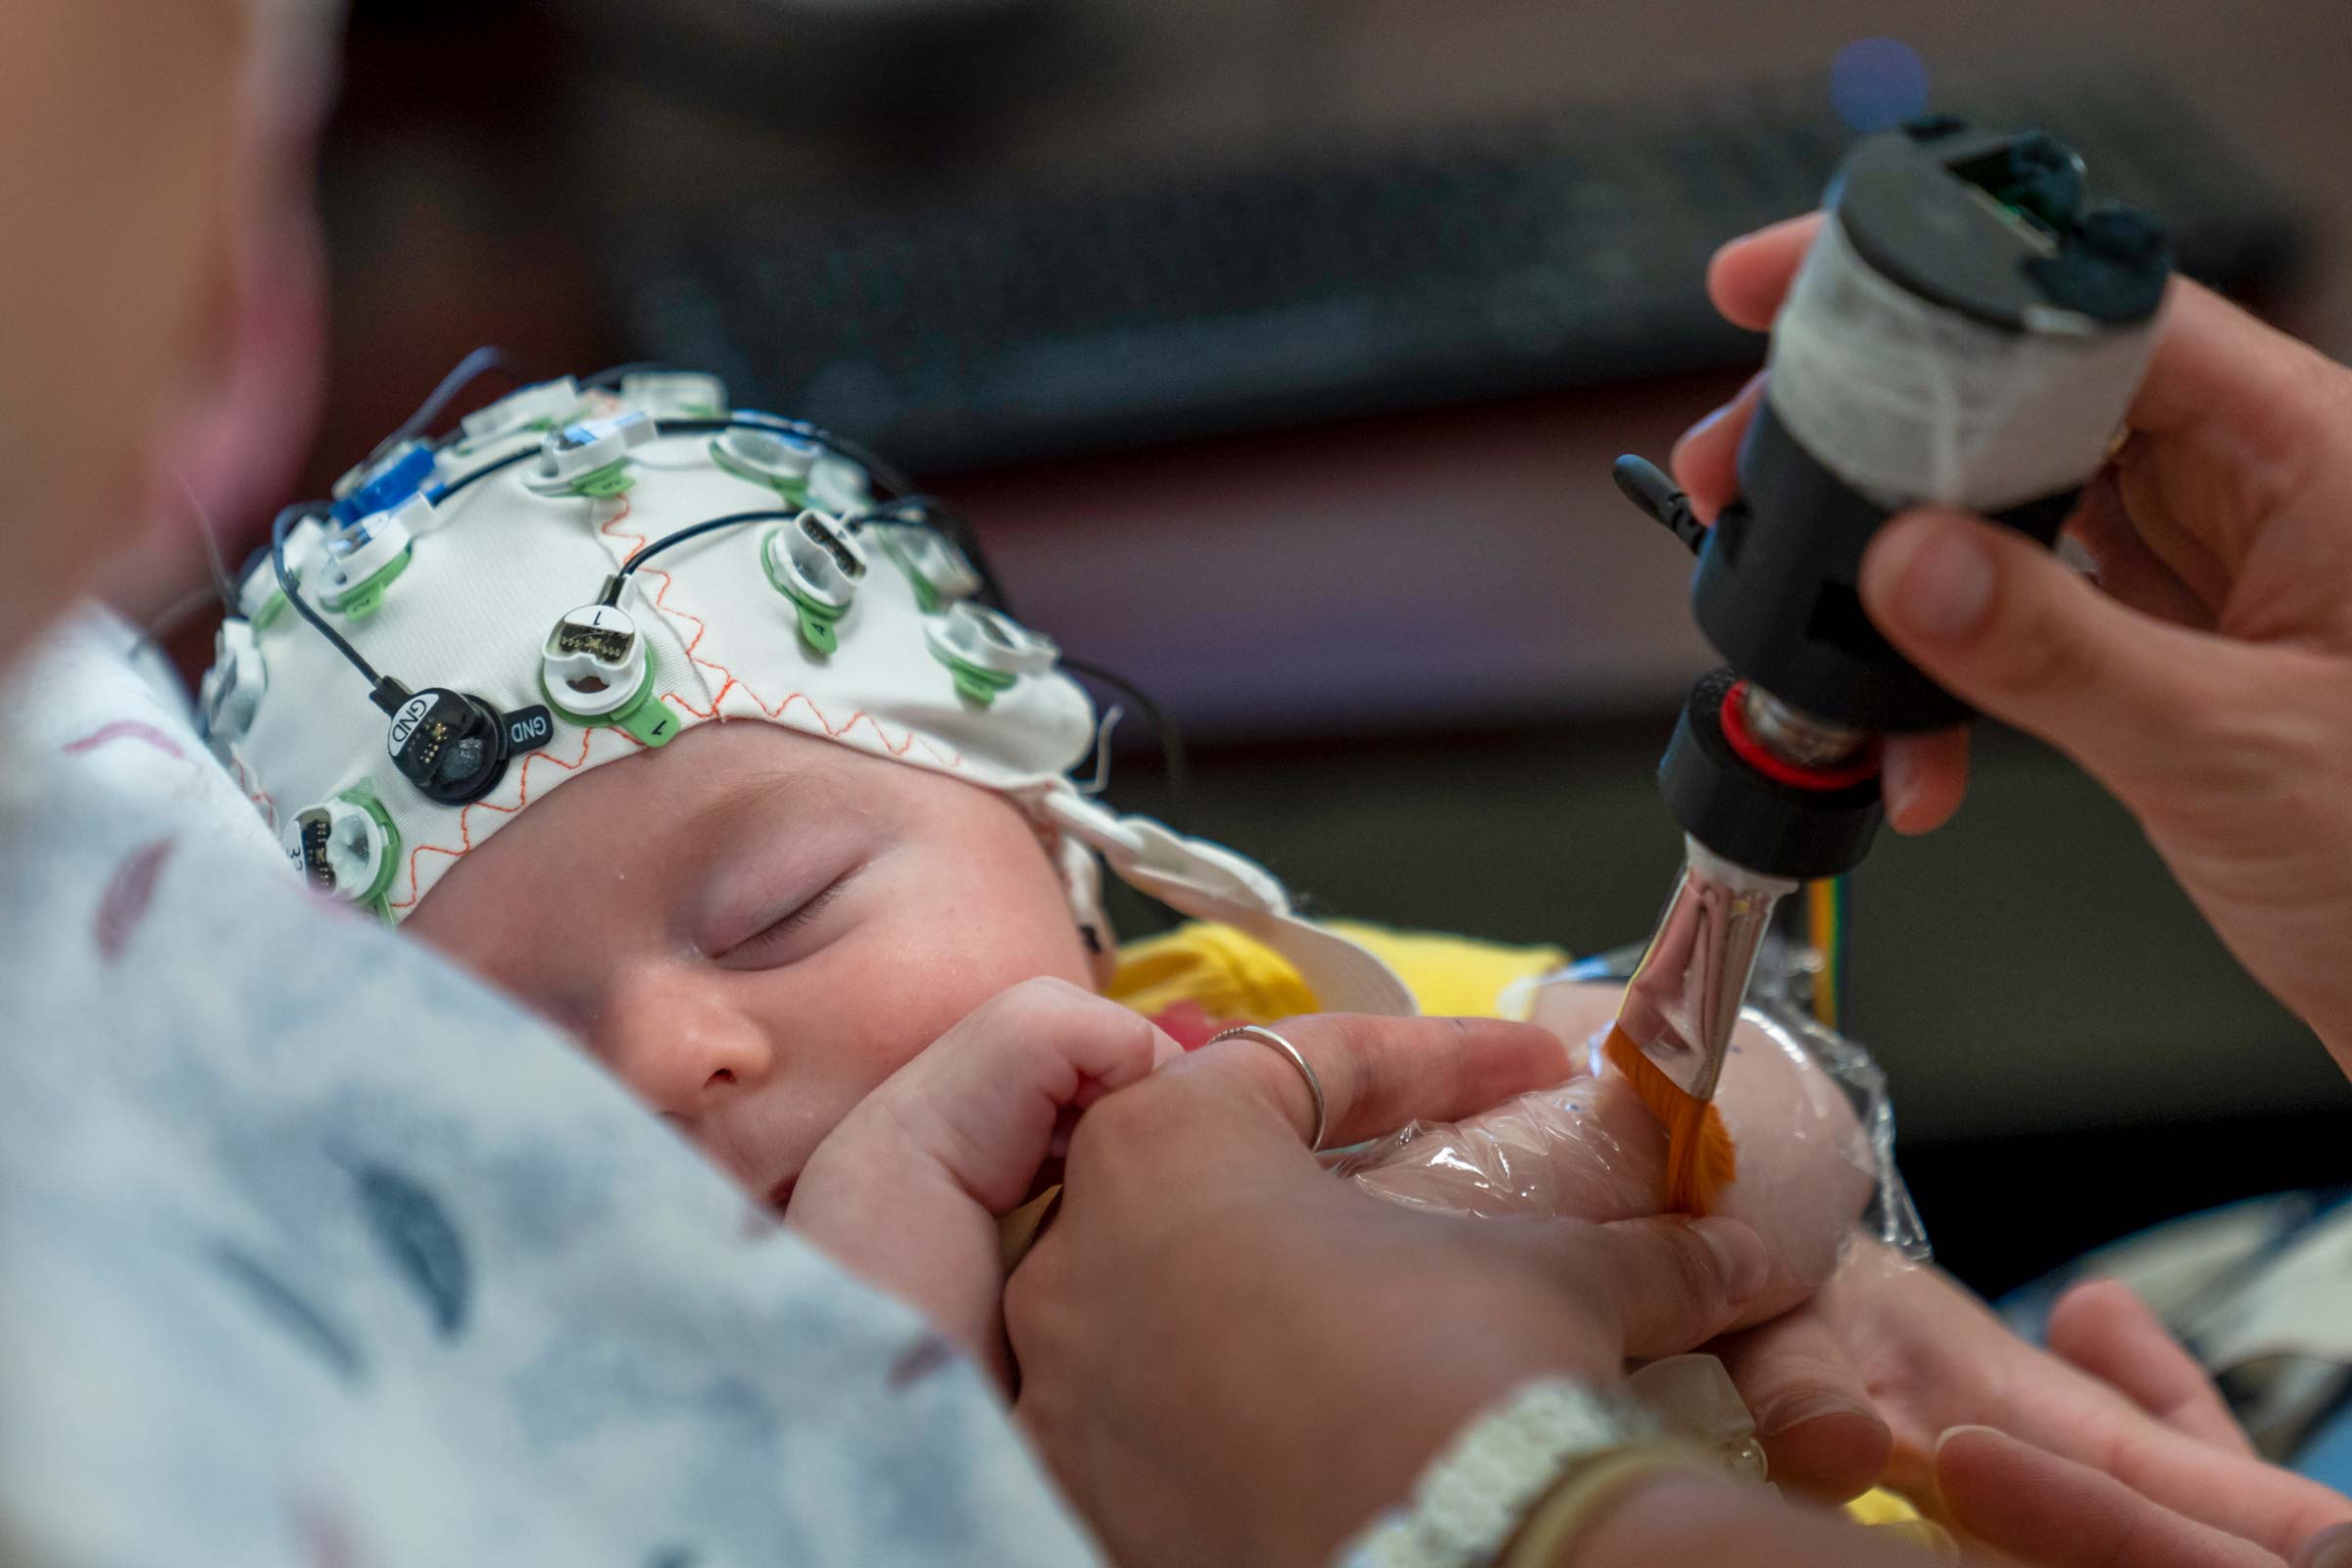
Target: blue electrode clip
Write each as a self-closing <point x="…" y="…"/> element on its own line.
<point x="405" y="472"/>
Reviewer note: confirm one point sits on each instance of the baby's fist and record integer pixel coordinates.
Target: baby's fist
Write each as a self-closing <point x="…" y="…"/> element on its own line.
<point x="907" y="1189"/>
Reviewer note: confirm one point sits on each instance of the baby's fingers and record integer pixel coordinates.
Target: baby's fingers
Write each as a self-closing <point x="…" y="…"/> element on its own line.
<point x="982" y="1100"/>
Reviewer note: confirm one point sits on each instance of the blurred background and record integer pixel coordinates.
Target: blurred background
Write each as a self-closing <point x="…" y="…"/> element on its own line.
<point x="1278" y="351"/>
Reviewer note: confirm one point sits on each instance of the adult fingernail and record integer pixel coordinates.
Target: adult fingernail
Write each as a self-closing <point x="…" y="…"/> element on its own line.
<point x="1950" y="1433"/>
<point x="1898" y="783"/>
<point x="2330" y="1549"/>
<point x="1785" y="1418"/>
<point x="1941" y="576"/>
<point x="1740" y="1256"/>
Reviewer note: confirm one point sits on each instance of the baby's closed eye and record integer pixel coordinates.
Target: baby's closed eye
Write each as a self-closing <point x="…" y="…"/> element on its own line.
<point x="778" y="942"/>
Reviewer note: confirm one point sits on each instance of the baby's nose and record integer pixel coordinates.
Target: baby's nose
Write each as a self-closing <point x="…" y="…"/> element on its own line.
<point x="680" y="1049"/>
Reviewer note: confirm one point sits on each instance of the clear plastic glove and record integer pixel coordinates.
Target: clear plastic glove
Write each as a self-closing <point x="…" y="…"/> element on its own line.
<point x="1590" y="1150"/>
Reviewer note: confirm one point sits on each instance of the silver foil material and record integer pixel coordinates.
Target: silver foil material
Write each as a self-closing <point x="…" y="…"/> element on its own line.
<point x="1684" y="998"/>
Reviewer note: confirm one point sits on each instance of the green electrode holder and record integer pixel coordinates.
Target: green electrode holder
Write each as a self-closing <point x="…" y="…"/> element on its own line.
<point x="366" y="596"/>
<point x="644" y="717"/>
<point x="973" y="683"/>
<point x="794" y="490"/>
<point x="602" y="484"/>
<point x="376" y="897"/>
<point x="819" y="622"/>
<point x="926" y="597"/>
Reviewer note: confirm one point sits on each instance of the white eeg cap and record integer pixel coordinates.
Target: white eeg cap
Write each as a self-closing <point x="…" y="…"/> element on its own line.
<point x="905" y="670"/>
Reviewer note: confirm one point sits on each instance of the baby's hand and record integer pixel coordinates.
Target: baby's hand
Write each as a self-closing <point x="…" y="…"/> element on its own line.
<point x="907" y="1189"/>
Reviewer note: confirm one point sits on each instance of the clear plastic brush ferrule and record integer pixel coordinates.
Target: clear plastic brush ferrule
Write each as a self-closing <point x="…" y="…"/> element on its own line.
<point x="1685" y="997"/>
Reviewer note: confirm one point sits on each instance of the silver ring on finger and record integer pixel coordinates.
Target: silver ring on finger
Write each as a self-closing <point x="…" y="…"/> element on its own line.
<point x="1314" y="1085"/>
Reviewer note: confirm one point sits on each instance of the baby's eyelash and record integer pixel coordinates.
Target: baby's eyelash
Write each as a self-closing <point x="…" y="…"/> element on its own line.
<point x="777" y="931"/>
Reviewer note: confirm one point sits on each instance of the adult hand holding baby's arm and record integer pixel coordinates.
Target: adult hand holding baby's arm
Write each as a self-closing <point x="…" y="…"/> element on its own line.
<point x="906" y="1190"/>
<point x="1229" y="1356"/>
<point x="1588" y="1149"/>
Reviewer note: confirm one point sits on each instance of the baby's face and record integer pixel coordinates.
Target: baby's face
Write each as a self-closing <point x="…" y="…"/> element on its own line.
<point x="753" y="928"/>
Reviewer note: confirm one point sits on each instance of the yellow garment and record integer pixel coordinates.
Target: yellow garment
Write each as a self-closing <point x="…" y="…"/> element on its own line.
<point x="1234" y="978"/>
<point x="1891" y="1511"/>
<point x="1237" y="979"/>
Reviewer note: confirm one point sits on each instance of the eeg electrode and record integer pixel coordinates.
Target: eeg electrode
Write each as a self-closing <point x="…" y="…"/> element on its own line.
<point x="817" y="564"/>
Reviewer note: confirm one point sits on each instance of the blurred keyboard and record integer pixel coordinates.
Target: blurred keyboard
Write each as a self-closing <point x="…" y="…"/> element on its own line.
<point x="1483" y="264"/>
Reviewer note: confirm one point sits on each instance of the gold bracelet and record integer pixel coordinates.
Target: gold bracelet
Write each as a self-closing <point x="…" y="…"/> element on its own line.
<point x="1557" y="1525"/>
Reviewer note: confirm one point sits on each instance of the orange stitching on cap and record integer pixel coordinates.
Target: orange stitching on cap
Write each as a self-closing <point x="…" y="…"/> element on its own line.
<point x="253" y="794"/>
<point x="464" y="825"/>
<point x="953" y="762"/>
<point x="900" y="749"/>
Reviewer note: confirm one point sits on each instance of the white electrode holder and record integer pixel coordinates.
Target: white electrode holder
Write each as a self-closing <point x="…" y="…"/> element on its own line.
<point x="593" y="661"/>
<point x="987" y="651"/>
<point x="232" y="689"/>
<point x="364" y="558"/>
<point x="817" y="563"/>
<point x="674" y="394"/>
<point x="541" y="404"/>
<point x="589" y="457"/>
<point x="940" y="572"/>
<point x="839" y="486"/>
<point x="777" y="458"/>
<point x="345" y="847"/>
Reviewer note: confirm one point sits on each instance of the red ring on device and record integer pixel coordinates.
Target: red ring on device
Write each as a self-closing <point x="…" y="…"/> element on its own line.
<point x="1780" y="771"/>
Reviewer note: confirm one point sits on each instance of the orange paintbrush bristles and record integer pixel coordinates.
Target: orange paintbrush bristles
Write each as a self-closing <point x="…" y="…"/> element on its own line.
<point x="1700" y="1161"/>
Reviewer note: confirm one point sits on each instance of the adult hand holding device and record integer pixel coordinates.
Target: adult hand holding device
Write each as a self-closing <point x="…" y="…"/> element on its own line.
<point x="2205" y="680"/>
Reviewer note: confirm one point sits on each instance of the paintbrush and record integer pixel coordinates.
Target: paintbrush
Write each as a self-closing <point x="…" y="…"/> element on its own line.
<point x="1679" y="1009"/>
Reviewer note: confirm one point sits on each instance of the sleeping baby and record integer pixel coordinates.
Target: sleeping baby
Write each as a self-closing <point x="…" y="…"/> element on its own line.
<point x="803" y="863"/>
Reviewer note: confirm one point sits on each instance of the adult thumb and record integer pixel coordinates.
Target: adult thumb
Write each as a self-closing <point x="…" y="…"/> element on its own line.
<point x="1670" y="1283"/>
<point x="2011" y="628"/>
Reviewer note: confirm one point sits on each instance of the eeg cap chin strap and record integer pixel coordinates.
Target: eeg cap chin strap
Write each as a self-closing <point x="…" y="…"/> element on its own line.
<point x="1209" y="882"/>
